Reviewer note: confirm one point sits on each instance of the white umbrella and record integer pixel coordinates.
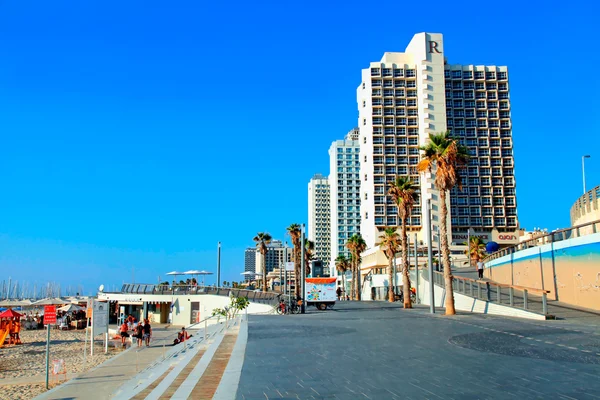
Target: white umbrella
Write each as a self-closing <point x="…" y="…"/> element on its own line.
<point x="193" y="272"/>
<point x="13" y="303"/>
<point x="175" y="273"/>
<point x="51" y="301"/>
<point x="71" y="307"/>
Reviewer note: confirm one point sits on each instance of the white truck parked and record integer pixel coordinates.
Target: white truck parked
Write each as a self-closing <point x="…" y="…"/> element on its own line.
<point x="320" y="292"/>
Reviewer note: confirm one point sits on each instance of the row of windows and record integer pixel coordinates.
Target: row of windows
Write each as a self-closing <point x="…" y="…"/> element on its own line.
<point x="391" y="121"/>
<point x="392" y="221"/>
<point x="411" y="112"/>
<point x="485" y="221"/>
<point x="348" y="150"/>
<point x="476" y="95"/>
<point x="397" y="83"/>
<point x="502" y="86"/>
<point x="480" y="123"/>
<point x="459" y="74"/>
<point x="485" y="211"/>
<point x="459" y="103"/>
<point x="398" y="131"/>
<point x="391" y="102"/>
<point x="461" y="113"/>
<point x="398" y="72"/>
<point x="395" y="93"/>
<point x="457" y="132"/>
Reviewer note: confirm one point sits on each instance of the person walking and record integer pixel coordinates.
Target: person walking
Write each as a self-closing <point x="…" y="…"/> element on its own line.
<point x="139" y="334"/>
<point x="124" y="334"/>
<point x="147" y="332"/>
<point x="480" y="269"/>
<point x="338" y="292"/>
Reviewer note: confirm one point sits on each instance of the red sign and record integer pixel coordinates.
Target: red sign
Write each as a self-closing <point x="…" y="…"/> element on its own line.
<point x="49" y="315"/>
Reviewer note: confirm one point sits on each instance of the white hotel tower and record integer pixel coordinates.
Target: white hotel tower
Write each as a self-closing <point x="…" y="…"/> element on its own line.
<point x="405" y="97"/>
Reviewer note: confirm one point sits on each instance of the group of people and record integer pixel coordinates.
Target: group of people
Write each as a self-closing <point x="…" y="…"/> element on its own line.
<point x="13" y="325"/>
<point x="341" y="294"/>
<point x="142" y="331"/>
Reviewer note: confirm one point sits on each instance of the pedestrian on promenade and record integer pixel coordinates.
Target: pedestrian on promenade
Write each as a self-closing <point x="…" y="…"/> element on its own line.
<point x="124" y="334"/>
<point x="147" y="332"/>
<point x="339" y="293"/>
<point x="139" y="334"/>
<point x="480" y="269"/>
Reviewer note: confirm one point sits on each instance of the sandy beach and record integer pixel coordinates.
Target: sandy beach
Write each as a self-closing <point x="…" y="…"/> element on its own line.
<point x="22" y="367"/>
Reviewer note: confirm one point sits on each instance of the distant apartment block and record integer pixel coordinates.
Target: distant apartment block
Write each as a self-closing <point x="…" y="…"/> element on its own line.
<point x="250" y="262"/>
<point x="274" y="257"/>
<point x="319" y="217"/>
<point x="344" y="178"/>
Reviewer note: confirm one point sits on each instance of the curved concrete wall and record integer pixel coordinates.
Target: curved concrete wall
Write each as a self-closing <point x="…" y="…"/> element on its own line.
<point x="586" y="208"/>
<point x="569" y="269"/>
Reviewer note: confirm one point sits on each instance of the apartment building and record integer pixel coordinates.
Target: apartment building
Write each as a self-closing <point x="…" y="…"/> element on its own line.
<point x="274" y="257"/>
<point x="401" y="100"/>
<point x="319" y="217"/>
<point x="344" y="178"/>
<point x="249" y="262"/>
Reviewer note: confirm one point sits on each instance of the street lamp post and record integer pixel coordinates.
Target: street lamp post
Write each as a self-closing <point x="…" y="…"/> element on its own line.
<point x="583" y="169"/>
<point x="303" y="272"/>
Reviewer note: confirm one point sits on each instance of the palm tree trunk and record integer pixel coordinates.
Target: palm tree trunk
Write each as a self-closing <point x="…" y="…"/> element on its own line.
<point x="446" y="256"/>
<point x="353" y="285"/>
<point x="391" y="297"/>
<point x="297" y="270"/>
<point x="264" y="270"/>
<point x="358" y="285"/>
<point x="405" y="267"/>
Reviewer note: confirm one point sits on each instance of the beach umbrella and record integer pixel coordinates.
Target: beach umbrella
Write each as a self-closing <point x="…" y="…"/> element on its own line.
<point x="175" y="273"/>
<point x="51" y="301"/>
<point x="193" y="272"/>
<point x="10" y="314"/>
<point x="13" y="303"/>
<point x="71" y="307"/>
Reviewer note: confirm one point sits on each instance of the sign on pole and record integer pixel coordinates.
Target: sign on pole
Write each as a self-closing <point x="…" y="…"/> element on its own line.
<point x="49" y="319"/>
<point x="49" y="315"/>
<point x="289" y="266"/>
<point x="99" y="323"/>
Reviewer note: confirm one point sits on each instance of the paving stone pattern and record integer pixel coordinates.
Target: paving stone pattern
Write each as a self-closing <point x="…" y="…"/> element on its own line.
<point x="376" y="350"/>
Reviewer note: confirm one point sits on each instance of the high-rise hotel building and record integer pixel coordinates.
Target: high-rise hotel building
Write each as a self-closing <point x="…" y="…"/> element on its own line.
<point x="405" y="97"/>
<point x="319" y="217"/>
<point x="344" y="178"/>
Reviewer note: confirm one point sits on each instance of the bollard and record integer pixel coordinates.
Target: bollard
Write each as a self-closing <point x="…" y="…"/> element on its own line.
<point x="488" y="290"/>
<point x="544" y="303"/>
<point x="525" y="299"/>
<point x="511" y="296"/>
<point x="499" y="293"/>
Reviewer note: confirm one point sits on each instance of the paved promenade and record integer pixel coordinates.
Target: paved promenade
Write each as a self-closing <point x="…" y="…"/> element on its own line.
<point x="380" y="351"/>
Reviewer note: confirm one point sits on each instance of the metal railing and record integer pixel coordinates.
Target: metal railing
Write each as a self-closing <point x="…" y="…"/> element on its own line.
<point x="253" y="296"/>
<point x="552" y="237"/>
<point x="530" y="299"/>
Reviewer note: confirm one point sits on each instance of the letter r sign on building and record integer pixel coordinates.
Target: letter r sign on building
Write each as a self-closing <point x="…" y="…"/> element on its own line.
<point x="433" y="47"/>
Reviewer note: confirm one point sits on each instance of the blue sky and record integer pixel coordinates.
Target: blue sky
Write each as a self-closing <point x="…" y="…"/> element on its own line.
<point x="138" y="134"/>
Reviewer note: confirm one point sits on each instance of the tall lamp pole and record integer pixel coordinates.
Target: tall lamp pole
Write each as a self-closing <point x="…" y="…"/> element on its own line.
<point x="219" y="265"/>
<point x="583" y="169"/>
<point x="303" y="273"/>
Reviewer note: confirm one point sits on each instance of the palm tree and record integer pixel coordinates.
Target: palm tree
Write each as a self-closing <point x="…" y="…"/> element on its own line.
<point x="444" y="156"/>
<point x="262" y="239"/>
<point x="356" y="244"/>
<point x="295" y="234"/>
<point x="476" y="251"/>
<point x="342" y="264"/>
<point x="309" y="247"/>
<point x="389" y="242"/>
<point x="404" y="194"/>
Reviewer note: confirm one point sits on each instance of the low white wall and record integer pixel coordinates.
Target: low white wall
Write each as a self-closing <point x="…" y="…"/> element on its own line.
<point x="466" y="303"/>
